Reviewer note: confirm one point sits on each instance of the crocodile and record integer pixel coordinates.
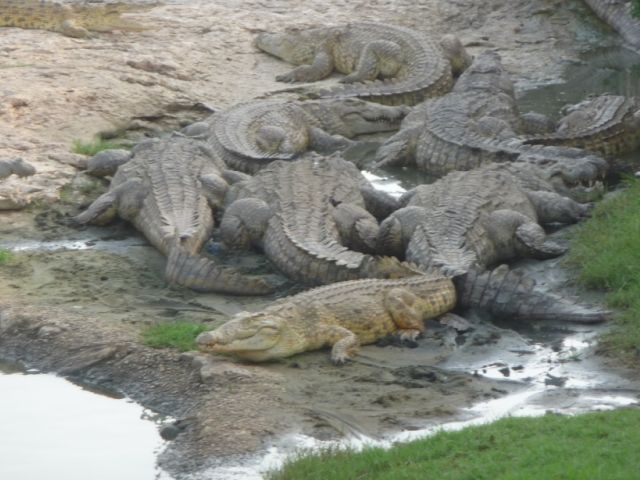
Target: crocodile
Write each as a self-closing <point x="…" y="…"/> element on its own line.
<point x="77" y="21"/>
<point x="619" y="15"/>
<point x="348" y="314"/>
<point x="250" y="135"/>
<point x="607" y="124"/>
<point x="309" y="217"/>
<point x="16" y="166"/>
<point x="169" y="190"/>
<point x="477" y="122"/>
<point x="477" y="219"/>
<point x="383" y="63"/>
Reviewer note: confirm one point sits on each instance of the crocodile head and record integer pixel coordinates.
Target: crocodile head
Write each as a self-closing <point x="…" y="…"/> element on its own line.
<point x="252" y="336"/>
<point x="295" y="46"/>
<point x="360" y="117"/>
<point x="22" y="168"/>
<point x="572" y="172"/>
<point x="456" y="53"/>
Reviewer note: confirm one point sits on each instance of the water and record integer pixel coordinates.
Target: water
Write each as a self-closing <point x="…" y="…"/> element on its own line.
<point x="613" y="70"/>
<point x="51" y="428"/>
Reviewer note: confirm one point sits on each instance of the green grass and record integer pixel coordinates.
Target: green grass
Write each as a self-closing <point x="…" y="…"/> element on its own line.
<point x="594" y="446"/>
<point x="606" y="250"/>
<point x="5" y="255"/>
<point x="93" y="147"/>
<point x="635" y="8"/>
<point x="180" y="335"/>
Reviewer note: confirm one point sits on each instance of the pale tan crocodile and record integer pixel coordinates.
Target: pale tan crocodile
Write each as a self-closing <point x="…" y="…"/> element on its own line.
<point x="342" y="315"/>
<point x="78" y="21"/>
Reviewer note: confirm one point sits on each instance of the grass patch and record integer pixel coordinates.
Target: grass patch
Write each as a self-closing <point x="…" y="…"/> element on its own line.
<point x="94" y="146"/>
<point x="594" y="446"/>
<point x="606" y="249"/>
<point x="181" y="335"/>
<point x="5" y="255"/>
<point x="635" y="8"/>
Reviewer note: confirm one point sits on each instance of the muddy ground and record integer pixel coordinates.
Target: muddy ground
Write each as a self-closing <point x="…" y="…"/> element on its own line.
<point x="74" y="301"/>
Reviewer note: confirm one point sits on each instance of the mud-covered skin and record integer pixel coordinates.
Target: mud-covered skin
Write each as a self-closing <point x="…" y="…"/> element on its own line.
<point x="306" y="214"/>
<point x="478" y="219"/>
<point x="250" y="135"/>
<point x="383" y="63"/>
<point x="16" y="166"/>
<point x="343" y="316"/>
<point x="476" y="123"/>
<point x="618" y="14"/>
<point x="78" y="21"/>
<point x="169" y="191"/>
<point x="607" y="124"/>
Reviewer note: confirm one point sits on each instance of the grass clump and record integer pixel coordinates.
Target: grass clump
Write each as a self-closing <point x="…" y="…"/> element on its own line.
<point x="93" y="147"/>
<point x="5" y="255"/>
<point x="594" y="446"/>
<point x="180" y="335"/>
<point x="606" y="249"/>
<point x="635" y="8"/>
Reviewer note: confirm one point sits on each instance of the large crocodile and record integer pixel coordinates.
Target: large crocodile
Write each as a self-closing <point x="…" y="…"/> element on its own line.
<point x="308" y="216"/>
<point x="607" y="124"/>
<point x="477" y="219"/>
<point x="619" y="15"/>
<point x="384" y="63"/>
<point x="78" y="21"/>
<point x="347" y="314"/>
<point x="249" y="135"/>
<point x="477" y="122"/>
<point x="169" y="191"/>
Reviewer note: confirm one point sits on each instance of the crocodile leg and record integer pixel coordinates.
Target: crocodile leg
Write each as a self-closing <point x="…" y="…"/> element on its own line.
<point x="345" y="343"/>
<point x="379" y="58"/>
<point x="408" y="312"/>
<point x="515" y="234"/>
<point x="244" y="223"/>
<point x="325" y="143"/>
<point x="214" y="188"/>
<point x="506" y="293"/>
<point x="378" y="203"/>
<point x="400" y="149"/>
<point x="126" y="197"/>
<point x="321" y="67"/>
<point x="552" y="207"/>
<point x="358" y="229"/>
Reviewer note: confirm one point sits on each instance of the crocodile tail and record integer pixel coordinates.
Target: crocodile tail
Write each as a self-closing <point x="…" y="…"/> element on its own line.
<point x="201" y="274"/>
<point x="510" y="294"/>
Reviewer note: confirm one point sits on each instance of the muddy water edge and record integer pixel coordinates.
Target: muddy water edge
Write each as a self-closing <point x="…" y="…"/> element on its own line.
<point x="74" y="301"/>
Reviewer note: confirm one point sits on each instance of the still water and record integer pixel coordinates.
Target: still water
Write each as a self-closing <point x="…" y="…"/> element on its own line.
<point x="52" y="429"/>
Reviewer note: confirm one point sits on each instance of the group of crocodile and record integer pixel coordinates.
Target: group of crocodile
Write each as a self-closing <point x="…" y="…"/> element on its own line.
<point x="318" y="219"/>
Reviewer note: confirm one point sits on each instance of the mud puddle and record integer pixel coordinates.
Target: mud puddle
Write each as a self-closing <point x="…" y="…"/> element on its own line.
<point x="54" y="429"/>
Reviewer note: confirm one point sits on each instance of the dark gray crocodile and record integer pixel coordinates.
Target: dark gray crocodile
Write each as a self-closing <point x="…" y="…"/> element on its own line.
<point x="477" y="219"/>
<point x="309" y="216"/>
<point x="249" y="135"/>
<point x="169" y="191"/>
<point x="383" y="63"/>
<point x="476" y="123"/>
<point x="619" y="15"/>
<point x="607" y="124"/>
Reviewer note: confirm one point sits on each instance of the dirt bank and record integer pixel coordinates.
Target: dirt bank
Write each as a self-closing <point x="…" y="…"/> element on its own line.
<point x="74" y="301"/>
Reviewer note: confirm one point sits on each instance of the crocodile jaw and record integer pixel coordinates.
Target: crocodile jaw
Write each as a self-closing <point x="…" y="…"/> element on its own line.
<point x="255" y="337"/>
